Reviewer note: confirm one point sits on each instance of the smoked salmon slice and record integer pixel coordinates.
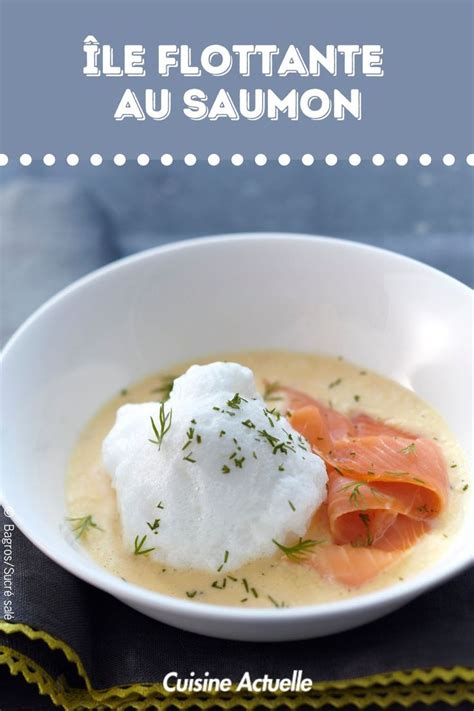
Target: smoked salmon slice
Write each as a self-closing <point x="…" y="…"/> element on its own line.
<point x="384" y="486"/>
<point x="351" y="566"/>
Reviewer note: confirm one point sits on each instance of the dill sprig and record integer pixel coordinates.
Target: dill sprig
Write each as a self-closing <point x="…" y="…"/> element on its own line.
<point x="300" y="550"/>
<point x="356" y="496"/>
<point x="81" y="524"/>
<point x="166" y="387"/>
<point x="270" y="390"/>
<point x="165" y="419"/>
<point x="138" y="546"/>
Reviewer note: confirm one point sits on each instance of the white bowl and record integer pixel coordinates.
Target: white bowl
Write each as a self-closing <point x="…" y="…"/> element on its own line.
<point x="195" y="298"/>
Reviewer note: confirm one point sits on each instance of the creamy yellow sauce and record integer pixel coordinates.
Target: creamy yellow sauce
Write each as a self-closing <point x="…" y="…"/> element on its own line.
<point x="272" y="581"/>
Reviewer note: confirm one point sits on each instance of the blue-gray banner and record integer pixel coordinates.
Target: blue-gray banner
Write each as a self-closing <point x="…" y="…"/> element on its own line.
<point x="227" y="76"/>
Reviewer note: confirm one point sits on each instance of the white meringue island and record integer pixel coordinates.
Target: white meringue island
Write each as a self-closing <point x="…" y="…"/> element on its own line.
<point x="208" y="479"/>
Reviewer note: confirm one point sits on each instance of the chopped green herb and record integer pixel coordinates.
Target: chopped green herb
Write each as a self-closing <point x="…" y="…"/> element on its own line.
<point x="357" y="398"/>
<point x="189" y="458"/>
<point x="81" y="524"/>
<point x="139" y="543"/>
<point x="409" y="449"/>
<point x="238" y="462"/>
<point x="465" y="487"/>
<point x="291" y="504"/>
<point x="274" y="413"/>
<point x="334" y="383"/>
<point x="363" y="372"/>
<point x="275" y="603"/>
<point x="453" y="466"/>
<point x="254" y="592"/>
<point x="226" y="558"/>
<point x="365" y="518"/>
<point x="153" y="526"/>
<point x="191" y="593"/>
<point x="219" y="586"/>
<point x="249" y="424"/>
<point x="124" y="392"/>
<point x="160" y="505"/>
<point x="270" y="390"/>
<point x="244" y="599"/>
<point x="298" y="551"/>
<point x="221" y="433"/>
<point x="166" y="387"/>
<point x="225" y="469"/>
<point x="236" y="402"/>
<point x="245" y="584"/>
<point x="165" y="419"/>
<point x="281" y="468"/>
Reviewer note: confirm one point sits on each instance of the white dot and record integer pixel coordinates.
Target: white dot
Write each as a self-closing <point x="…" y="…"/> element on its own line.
<point x="49" y="159"/>
<point x="355" y="159"/>
<point x="25" y="159"/>
<point x="237" y="159"/>
<point x="401" y="159"/>
<point x="119" y="159"/>
<point x="213" y="159"/>
<point x="3" y="159"/>
<point x="284" y="159"/>
<point x="449" y="159"/>
<point x="190" y="159"/>
<point x="425" y="159"/>
<point x="166" y="159"/>
<point x="260" y="159"/>
<point x="470" y="159"/>
<point x="72" y="159"/>
<point x="331" y="159"/>
<point x="96" y="159"/>
<point x="307" y="159"/>
<point x="378" y="159"/>
<point x="143" y="159"/>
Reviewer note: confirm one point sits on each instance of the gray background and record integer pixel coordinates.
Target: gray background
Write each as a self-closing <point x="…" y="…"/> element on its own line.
<point x="421" y="104"/>
<point x="59" y="223"/>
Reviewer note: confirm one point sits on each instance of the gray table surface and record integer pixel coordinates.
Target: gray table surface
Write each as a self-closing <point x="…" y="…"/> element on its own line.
<point x="59" y="223"/>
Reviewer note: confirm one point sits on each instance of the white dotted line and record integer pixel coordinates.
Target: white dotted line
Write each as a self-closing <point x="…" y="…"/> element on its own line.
<point x="237" y="159"/>
<point x="401" y="159"/>
<point x="354" y="159"/>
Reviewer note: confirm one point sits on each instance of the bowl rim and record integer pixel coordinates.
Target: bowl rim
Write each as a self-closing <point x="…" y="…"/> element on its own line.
<point x="86" y="569"/>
